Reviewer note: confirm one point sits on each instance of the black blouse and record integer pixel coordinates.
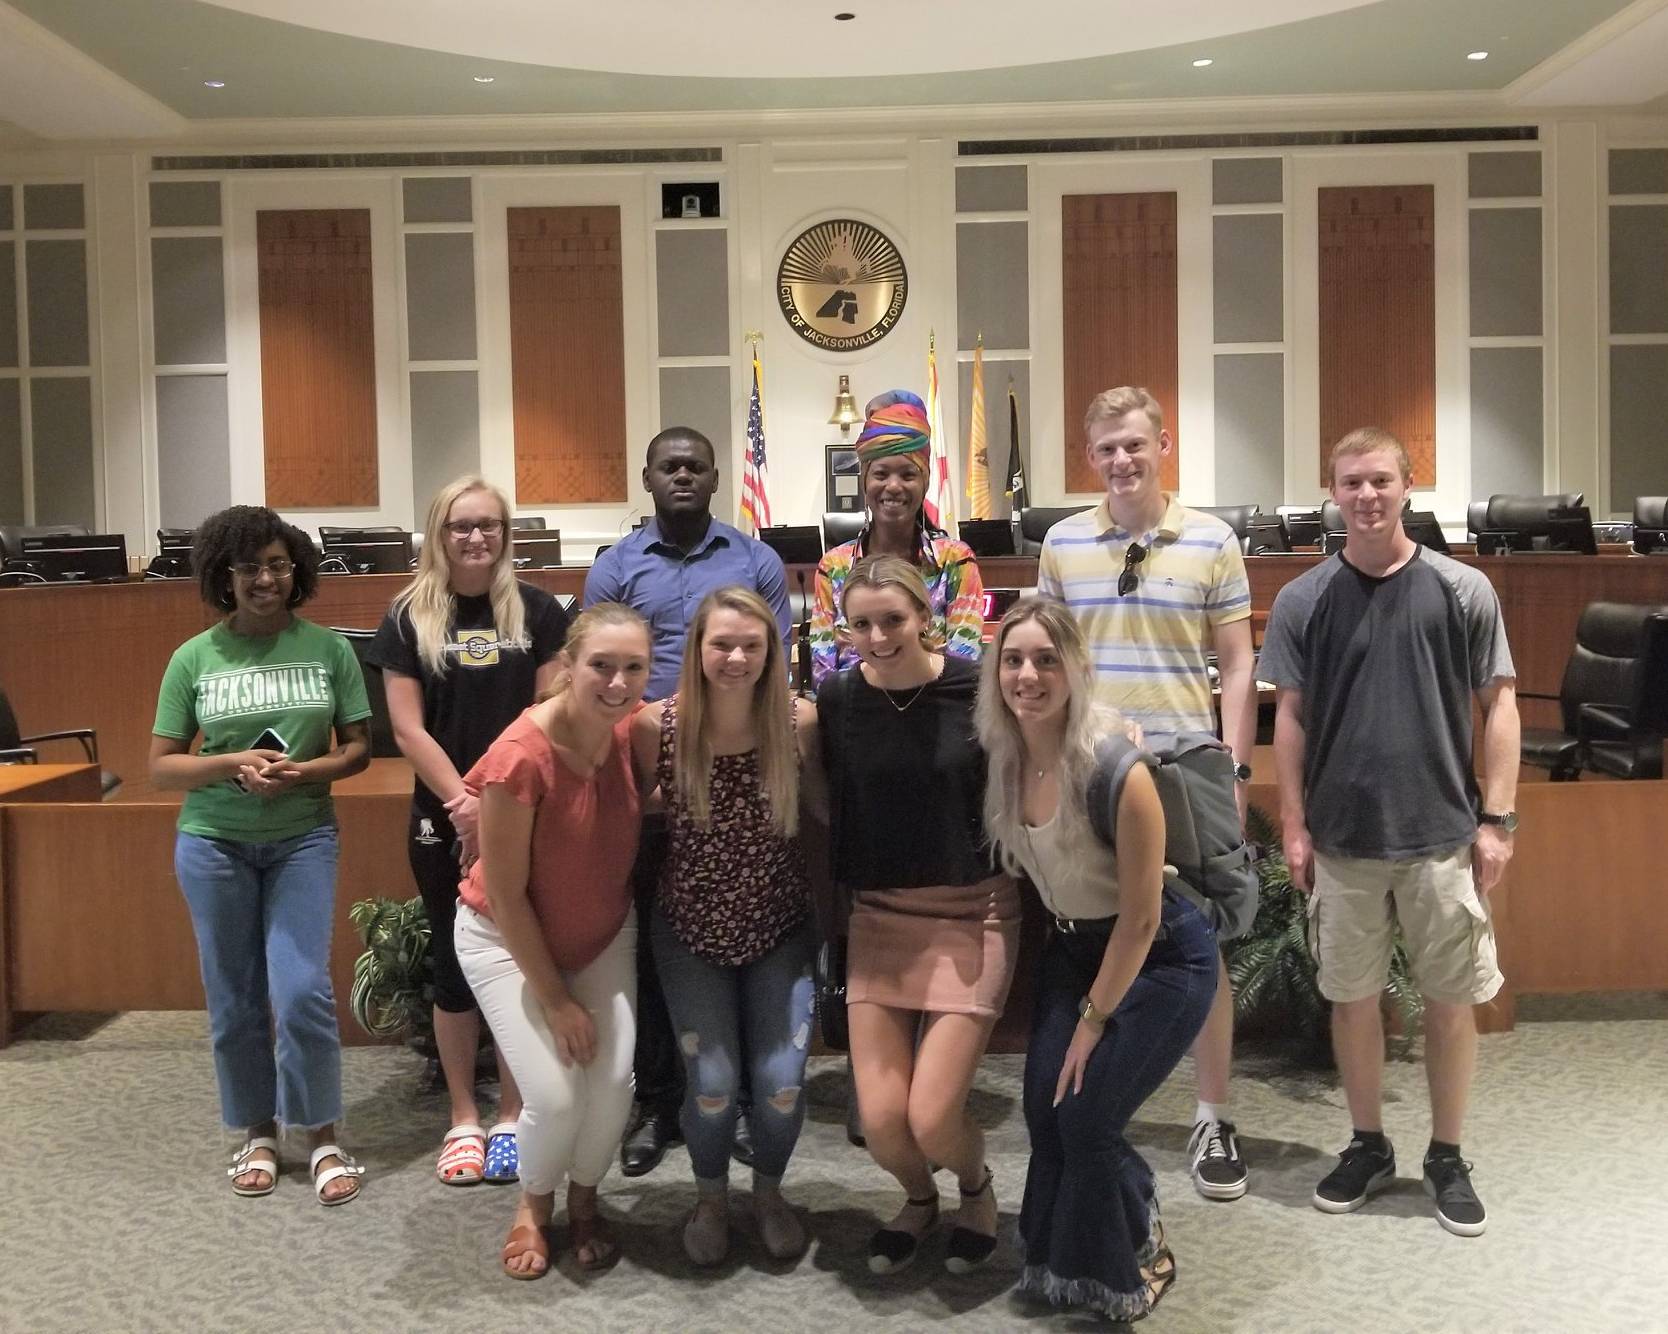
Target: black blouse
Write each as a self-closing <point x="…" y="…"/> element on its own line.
<point x="906" y="781"/>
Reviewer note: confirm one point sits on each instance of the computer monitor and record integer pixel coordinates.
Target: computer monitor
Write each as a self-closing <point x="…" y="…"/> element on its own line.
<point x="70" y="559"/>
<point x="364" y="551"/>
<point x="1502" y="542"/>
<point x="537" y="549"/>
<point x="1422" y="527"/>
<point x="988" y="537"/>
<point x="1265" y="535"/>
<point x="1303" y="526"/>
<point x="171" y="541"/>
<point x="795" y="543"/>
<point x="1570" y="528"/>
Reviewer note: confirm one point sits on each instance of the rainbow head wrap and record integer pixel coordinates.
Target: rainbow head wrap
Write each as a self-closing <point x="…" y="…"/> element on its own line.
<point x="894" y="423"/>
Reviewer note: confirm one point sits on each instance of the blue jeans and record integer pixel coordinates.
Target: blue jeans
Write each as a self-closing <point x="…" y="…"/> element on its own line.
<point x="263" y="914"/>
<point x="757" y="1012"/>
<point x="1090" y="1212"/>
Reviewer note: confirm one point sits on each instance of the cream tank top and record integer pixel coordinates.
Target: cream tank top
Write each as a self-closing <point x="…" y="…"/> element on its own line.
<point x="1074" y="872"/>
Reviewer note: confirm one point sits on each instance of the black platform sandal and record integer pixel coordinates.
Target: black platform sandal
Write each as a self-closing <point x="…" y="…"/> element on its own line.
<point x="892" y="1249"/>
<point x="967" y="1249"/>
<point x="1159" y="1277"/>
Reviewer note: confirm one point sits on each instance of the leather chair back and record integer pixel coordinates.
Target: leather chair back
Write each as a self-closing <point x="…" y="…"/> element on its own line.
<point x="1607" y="665"/>
<point x="1650" y="511"/>
<point x="383" y="746"/>
<point x="841" y="526"/>
<point x="1237" y="517"/>
<point x="1527" y="514"/>
<point x="1036" y="520"/>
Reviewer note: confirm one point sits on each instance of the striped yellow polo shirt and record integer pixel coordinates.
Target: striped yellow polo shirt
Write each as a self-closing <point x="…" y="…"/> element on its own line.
<point x="1150" y="648"/>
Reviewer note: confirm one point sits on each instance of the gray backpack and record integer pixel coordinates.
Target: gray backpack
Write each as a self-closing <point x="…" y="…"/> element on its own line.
<point x="1204" y="842"/>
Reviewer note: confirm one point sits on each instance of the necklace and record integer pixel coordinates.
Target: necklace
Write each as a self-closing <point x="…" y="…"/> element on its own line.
<point x="904" y="708"/>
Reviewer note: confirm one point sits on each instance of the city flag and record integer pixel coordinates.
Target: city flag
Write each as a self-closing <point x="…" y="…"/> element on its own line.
<point x="941" y="497"/>
<point x="755" y="477"/>
<point x="1016" y="460"/>
<point x="978" y="454"/>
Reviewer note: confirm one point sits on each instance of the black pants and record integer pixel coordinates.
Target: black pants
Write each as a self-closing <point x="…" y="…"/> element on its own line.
<point x="432" y="845"/>
<point x="657" y="1065"/>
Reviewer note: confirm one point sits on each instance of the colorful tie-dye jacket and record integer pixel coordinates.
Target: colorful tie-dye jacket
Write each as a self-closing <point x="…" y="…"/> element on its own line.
<point x="953" y="584"/>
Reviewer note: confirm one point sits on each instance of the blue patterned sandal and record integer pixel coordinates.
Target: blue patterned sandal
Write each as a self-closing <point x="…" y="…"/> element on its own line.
<point x="503" y="1163"/>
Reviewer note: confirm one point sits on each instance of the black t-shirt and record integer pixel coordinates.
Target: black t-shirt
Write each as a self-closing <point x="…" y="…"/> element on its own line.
<point x="1387" y="666"/>
<point x="488" y="683"/>
<point x="906" y="789"/>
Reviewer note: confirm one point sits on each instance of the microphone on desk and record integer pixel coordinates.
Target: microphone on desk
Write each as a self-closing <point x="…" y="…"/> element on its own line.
<point x="802" y="641"/>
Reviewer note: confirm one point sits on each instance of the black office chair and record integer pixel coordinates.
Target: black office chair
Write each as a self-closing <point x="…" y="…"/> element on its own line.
<point x="1476" y="518"/>
<point x="1237" y="517"/>
<point x="18" y="749"/>
<point x="840" y="526"/>
<point x="383" y="745"/>
<point x="1614" y="697"/>
<point x="1036" y="520"/>
<point x="1650" y="512"/>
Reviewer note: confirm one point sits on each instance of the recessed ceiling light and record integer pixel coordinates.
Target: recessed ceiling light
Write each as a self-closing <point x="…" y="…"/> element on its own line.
<point x="844" y="17"/>
<point x="1476" y="55"/>
<point x="1202" y="61"/>
<point x="214" y="83"/>
<point x="485" y="78"/>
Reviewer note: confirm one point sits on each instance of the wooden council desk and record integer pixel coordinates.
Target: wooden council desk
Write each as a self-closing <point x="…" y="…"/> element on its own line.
<point x="93" y="655"/>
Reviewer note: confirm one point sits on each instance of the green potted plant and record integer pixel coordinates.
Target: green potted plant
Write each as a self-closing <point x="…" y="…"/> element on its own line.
<point x="393" y="987"/>
<point x="1276" y="992"/>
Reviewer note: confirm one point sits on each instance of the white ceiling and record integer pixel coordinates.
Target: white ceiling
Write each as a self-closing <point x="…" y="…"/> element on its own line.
<point x="719" y="38"/>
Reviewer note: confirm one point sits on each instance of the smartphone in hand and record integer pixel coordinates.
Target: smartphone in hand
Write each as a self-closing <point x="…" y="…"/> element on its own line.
<point x="267" y="740"/>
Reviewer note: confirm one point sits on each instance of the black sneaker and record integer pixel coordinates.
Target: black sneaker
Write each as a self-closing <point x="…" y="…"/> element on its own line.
<point x="1448" y="1182"/>
<point x="1218" y="1170"/>
<point x="1360" y="1172"/>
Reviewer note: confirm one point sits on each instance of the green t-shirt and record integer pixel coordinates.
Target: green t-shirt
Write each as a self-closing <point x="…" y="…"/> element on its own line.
<point x="300" y="682"/>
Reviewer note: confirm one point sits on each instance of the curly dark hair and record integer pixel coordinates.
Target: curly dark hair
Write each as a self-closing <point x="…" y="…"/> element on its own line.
<point x="239" y="534"/>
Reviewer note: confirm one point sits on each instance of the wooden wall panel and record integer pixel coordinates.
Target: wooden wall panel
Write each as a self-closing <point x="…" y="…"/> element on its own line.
<point x="567" y="354"/>
<point x="1118" y="292"/>
<point x="318" y="357"/>
<point x="1378" y="318"/>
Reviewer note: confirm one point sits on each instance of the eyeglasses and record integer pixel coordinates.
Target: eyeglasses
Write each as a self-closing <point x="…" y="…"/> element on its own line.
<point x="1134" y="554"/>
<point x="279" y="568"/>
<point x="464" y="527"/>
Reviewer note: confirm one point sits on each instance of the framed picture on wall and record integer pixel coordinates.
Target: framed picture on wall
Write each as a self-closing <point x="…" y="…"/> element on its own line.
<point x="844" y="477"/>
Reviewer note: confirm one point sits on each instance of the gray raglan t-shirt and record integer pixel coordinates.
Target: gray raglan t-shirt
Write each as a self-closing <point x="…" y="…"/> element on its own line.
<point x="1387" y="667"/>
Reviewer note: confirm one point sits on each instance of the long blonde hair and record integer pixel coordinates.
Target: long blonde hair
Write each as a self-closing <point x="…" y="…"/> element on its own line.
<point x="1087" y="721"/>
<point x="772" y="715"/>
<point x="429" y="600"/>
<point x="587" y="623"/>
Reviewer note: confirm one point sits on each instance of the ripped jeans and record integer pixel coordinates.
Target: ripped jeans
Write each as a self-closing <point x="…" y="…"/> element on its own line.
<point x="758" y="1012"/>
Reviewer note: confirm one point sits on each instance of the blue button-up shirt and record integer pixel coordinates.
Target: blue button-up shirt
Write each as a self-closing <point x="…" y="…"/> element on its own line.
<point x="649" y="573"/>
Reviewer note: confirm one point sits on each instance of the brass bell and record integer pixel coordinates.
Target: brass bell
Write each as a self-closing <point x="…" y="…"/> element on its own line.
<point x="846" y="414"/>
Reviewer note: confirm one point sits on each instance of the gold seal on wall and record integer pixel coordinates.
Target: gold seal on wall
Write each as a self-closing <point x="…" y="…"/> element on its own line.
<point x="842" y="285"/>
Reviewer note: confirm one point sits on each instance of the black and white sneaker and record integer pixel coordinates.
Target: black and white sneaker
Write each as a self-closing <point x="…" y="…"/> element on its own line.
<point x="1360" y="1172"/>
<point x="1448" y="1182"/>
<point x="1218" y="1170"/>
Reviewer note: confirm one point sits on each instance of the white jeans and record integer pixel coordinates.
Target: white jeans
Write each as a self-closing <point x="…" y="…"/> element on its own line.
<point x="572" y="1116"/>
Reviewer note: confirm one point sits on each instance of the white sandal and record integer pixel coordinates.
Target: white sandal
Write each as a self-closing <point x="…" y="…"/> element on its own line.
<point x="242" y="1165"/>
<point x="346" y="1168"/>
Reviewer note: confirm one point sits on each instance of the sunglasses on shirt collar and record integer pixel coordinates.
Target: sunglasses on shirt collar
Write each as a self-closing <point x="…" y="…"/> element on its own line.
<point x="1134" y="554"/>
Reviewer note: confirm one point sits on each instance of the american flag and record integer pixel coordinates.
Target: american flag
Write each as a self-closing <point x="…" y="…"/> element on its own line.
<point x="755" y="488"/>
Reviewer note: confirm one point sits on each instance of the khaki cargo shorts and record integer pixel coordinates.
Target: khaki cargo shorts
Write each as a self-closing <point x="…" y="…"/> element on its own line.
<point x="1449" y="931"/>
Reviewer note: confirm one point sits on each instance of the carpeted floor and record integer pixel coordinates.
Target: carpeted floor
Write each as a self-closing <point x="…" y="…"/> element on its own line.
<point x="116" y="1215"/>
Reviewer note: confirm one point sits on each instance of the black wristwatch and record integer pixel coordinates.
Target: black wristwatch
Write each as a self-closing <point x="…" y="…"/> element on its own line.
<point x="1507" y="820"/>
<point x="1242" y="773"/>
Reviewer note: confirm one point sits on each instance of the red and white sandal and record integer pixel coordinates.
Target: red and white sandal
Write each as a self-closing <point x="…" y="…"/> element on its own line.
<point x="462" y="1156"/>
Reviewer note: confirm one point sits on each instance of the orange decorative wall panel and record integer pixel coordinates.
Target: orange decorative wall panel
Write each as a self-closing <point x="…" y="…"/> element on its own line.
<point x="567" y="354"/>
<point x="318" y="357"/>
<point x="1378" y="318"/>
<point x="1118" y="289"/>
